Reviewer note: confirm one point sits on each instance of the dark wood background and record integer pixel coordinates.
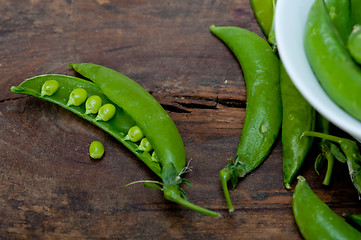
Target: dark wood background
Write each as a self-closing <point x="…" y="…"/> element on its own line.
<point x="51" y="189"/>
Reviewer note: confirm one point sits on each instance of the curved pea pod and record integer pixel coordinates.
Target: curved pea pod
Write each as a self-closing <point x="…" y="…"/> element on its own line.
<point x="263" y="11"/>
<point x="332" y="64"/>
<point x="315" y="219"/>
<point x="264" y="110"/>
<point x="117" y="127"/>
<point x="298" y="116"/>
<point x="340" y="14"/>
<point x="154" y="122"/>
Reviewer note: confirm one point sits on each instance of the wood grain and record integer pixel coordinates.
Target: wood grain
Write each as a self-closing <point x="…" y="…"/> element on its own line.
<point x="51" y="189"/>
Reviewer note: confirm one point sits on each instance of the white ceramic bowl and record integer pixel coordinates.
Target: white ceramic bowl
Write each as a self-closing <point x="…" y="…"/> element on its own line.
<point x="290" y="21"/>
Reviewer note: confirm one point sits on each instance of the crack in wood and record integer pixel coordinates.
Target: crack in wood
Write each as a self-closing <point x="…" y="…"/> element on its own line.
<point x="185" y="104"/>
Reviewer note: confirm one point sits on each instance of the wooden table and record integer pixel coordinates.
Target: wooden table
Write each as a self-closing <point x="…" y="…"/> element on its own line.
<point x="51" y="189"/>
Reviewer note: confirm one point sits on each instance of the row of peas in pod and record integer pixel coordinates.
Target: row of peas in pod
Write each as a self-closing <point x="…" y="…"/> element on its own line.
<point x="103" y="112"/>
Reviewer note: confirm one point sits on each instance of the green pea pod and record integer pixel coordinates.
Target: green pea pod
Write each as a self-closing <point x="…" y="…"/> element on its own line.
<point x="154" y="122"/>
<point x="353" y="218"/>
<point x="264" y="111"/>
<point x="298" y="116"/>
<point x="147" y="113"/>
<point x="118" y="126"/>
<point x="356" y="11"/>
<point x="263" y="11"/>
<point x="315" y="219"/>
<point x="332" y="64"/>
<point x="340" y="14"/>
<point x="272" y="34"/>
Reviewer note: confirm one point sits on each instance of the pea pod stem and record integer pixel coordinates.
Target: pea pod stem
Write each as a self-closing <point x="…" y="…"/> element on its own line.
<point x="172" y="194"/>
<point x="351" y="153"/>
<point x="225" y="176"/>
<point x="330" y="162"/>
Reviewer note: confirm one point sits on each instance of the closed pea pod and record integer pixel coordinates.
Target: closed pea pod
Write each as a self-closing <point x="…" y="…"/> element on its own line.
<point x="263" y="112"/>
<point x="298" y="116"/>
<point x="340" y="15"/>
<point x="315" y="219"/>
<point x="263" y="11"/>
<point x="154" y="122"/>
<point x="332" y="64"/>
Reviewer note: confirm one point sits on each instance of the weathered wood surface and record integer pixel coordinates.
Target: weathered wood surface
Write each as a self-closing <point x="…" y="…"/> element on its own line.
<point x="50" y="189"/>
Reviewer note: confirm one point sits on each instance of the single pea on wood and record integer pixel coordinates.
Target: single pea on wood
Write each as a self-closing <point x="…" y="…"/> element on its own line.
<point x="96" y="150"/>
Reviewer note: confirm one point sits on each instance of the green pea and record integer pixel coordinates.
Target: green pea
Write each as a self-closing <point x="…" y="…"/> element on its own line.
<point x="49" y="87"/>
<point x="106" y="112"/>
<point x="145" y="145"/>
<point x="92" y="104"/>
<point x="77" y="97"/>
<point x="155" y="157"/>
<point x="96" y="150"/>
<point x="135" y="134"/>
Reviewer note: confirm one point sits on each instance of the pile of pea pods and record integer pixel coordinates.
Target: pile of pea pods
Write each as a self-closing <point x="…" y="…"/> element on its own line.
<point x="122" y="108"/>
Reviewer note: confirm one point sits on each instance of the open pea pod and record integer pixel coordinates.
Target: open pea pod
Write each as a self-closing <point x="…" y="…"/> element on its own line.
<point x="134" y="106"/>
<point x="117" y="127"/>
